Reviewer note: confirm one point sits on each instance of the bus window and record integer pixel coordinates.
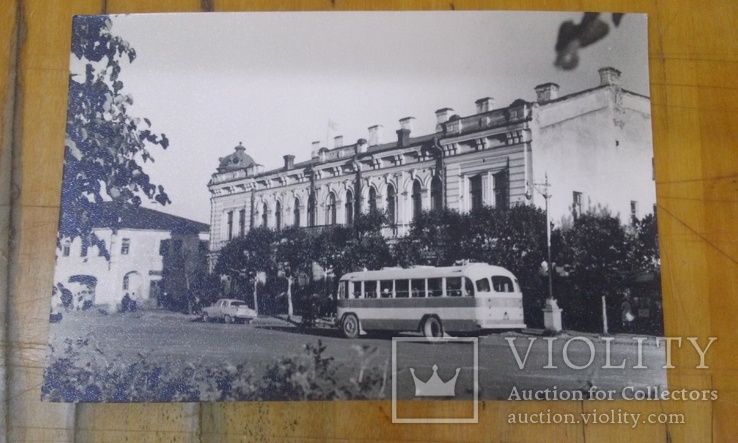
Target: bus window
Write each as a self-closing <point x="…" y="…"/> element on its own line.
<point x="500" y="283"/>
<point x="468" y="287"/>
<point x="401" y="289"/>
<point x="356" y="291"/>
<point x="435" y="287"/>
<point x="370" y="289"/>
<point x="453" y="286"/>
<point x="482" y="285"/>
<point x="386" y="287"/>
<point x="417" y="287"/>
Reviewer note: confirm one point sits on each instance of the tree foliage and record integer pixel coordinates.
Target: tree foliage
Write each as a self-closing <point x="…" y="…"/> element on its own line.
<point x="596" y="250"/>
<point x="244" y="256"/>
<point x="106" y="146"/>
<point x="343" y="249"/>
<point x="434" y="238"/>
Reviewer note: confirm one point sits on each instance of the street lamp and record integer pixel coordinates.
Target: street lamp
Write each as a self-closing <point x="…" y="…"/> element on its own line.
<point x="546" y="195"/>
<point x="551" y="310"/>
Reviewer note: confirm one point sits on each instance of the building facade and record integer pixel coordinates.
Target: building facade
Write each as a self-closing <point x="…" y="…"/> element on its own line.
<point x="593" y="147"/>
<point x="145" y="247"/>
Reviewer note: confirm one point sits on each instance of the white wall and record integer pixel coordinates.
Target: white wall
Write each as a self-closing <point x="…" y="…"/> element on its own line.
<point x="598" y="144"/>
<point x="143" y="261"/>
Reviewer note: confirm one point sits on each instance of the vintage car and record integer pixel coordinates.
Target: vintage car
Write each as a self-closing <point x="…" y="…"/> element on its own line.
<point x="230" y="311"/>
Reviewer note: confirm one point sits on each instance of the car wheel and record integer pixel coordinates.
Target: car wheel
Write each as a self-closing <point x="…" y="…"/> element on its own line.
<point x="228" y="319"/>
<point x="432" y="328"/>
<point x="205" y="317"/>
<point x="350" y="326"/>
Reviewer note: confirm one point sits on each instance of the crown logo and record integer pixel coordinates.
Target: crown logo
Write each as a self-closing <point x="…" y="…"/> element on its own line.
<point x="435" y="387"/>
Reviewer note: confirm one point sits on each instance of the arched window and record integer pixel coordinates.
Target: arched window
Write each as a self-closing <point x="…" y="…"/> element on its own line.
<point x="126" y="282"/>
<point x="436" y="193"/>
<point x="417" y="199"/>
<point x="391" y="204"/>
<point x="349" y="208"/>
<point x="372" y="199"/>
<point x="330" y="210"/>
<point x="265" y="216"/>
<point x="296" y="213"/>
<point x="278" y="216"/>
<point x="311" y="209"/>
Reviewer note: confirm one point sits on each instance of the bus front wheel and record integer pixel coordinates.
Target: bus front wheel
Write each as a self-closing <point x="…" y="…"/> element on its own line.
<point x="432" y="328"/>
<point x="350" y="326"/>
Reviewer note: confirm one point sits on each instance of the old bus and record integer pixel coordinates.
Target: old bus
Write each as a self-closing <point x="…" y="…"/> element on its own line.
<point x="431" y="300"/>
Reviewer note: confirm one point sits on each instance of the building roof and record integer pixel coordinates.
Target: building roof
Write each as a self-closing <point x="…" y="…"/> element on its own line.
<point x="471" y="123"/>
<point x="237" y="160"/>
<point x="137" y="217"/>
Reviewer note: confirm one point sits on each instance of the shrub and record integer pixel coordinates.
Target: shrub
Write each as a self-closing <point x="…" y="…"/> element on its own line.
<point x="82" y="373"/>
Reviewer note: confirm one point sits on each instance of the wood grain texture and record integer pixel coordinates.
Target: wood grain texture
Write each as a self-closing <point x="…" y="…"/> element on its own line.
<point x="693" y="54"/>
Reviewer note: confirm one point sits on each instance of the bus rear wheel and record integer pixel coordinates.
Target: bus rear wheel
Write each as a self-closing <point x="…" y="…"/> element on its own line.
<point x="350" y="326"/>
<point x="432" y="328"/>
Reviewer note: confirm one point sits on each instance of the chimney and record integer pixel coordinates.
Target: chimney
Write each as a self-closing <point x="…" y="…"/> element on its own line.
<point x="316" y="148"/>
<point x="403" y="134"/>
<point x="338" y="141"/>
<point x="485" y="104"/>
<point x="609" y="76"/>
<point x="375" y="135"/>
<point x="547" y="92"/>
<point x="361" y="146"/>
<point x="407" y="123"/>
<point x="442" y="117"/>
<point x="289" y="162"/>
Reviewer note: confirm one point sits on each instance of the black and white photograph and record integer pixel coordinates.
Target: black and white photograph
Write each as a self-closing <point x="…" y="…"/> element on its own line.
<point x="357" y="206"/>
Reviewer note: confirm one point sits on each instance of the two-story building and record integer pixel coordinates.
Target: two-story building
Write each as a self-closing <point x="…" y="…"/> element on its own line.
<point x="592" y="146"/>
<point x="144" y="247"/>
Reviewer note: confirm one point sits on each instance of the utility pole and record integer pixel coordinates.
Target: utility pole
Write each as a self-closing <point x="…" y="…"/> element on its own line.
<point x="546" y="195"/>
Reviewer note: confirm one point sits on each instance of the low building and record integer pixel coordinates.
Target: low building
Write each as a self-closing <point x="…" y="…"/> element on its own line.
<point x="585" y="149"/>
<point x="145" y="247"/>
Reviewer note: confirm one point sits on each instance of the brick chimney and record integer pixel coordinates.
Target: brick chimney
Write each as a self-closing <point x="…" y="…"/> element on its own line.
<point x="375" y="135"/>
<point x="289" y="162"/>
<point x="338" y="141"/>
<point x="403" y="134"/>
<point x="609" y="76"/>
<point x="547" y="92"/>
<point x="442" y="117"/>
<point x="485" y="104"/>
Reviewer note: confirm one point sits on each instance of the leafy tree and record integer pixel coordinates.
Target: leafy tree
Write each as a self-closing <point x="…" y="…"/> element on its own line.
<point x="596" y="250"/>
<point x="513" y="238"/>
<point x="244" y="257"/>
<point x="295" y="253"/>
<point x="434" y="238"/>
<point x="370" y="250"/>
<point x="345" y="249"/>
<point x="644" y="241"/>
<point x="105" y="145"/>
<point x="333" y="249"/>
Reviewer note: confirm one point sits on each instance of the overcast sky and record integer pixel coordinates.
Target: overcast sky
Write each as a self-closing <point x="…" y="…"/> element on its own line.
<point x="274" y="80"/>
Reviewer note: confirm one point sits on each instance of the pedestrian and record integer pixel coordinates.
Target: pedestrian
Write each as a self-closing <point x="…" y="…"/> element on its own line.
<point x="127" y="304"/>
<point x="66" y="297"/>
<point x="627" y="312"/>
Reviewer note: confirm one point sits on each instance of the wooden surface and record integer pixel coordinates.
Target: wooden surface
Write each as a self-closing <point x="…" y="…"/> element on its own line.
<point x="693" y="52"/>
